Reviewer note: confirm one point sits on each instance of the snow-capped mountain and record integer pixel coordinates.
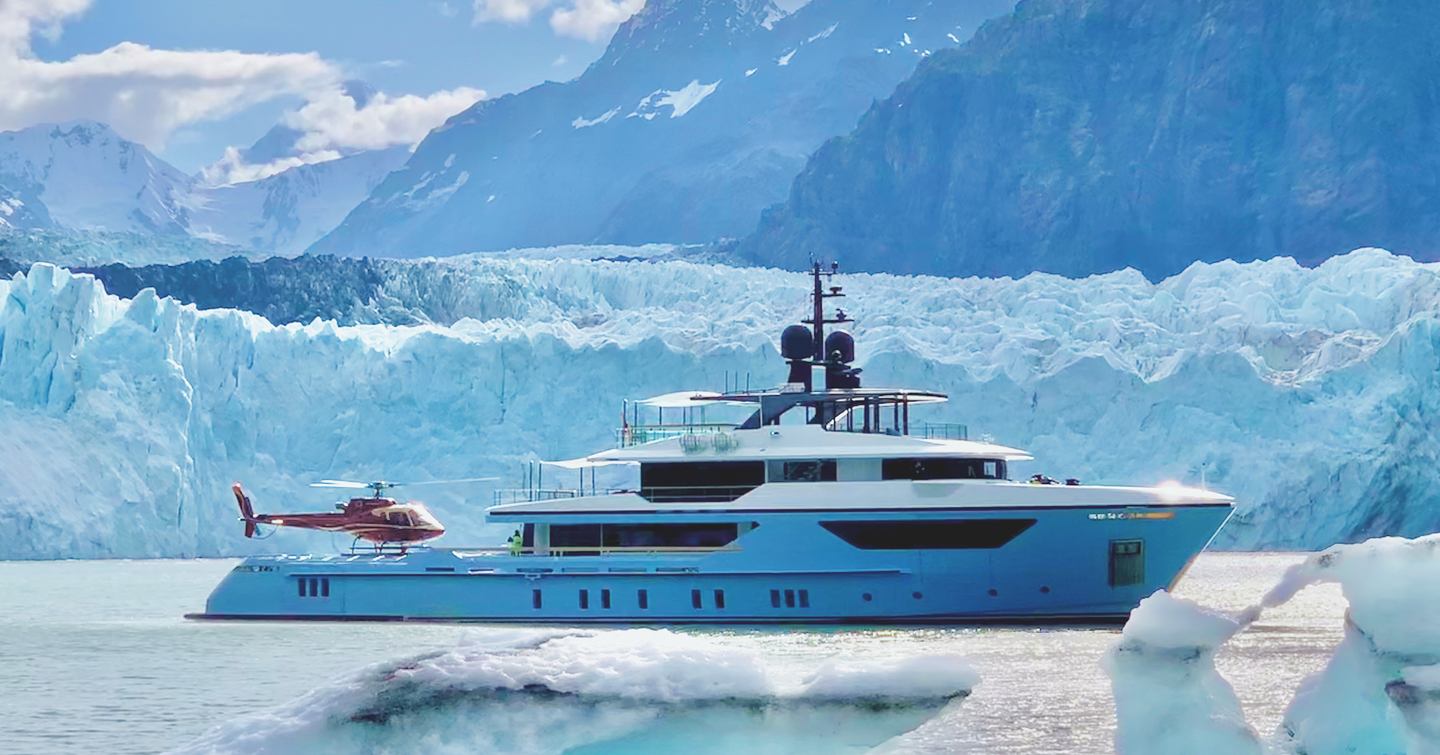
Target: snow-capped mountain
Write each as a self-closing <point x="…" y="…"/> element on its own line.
<point x="19" y="210"/>
<point x="1308" y="394"/>
<point x="1082" y="137"/>
<point x="697" y="116"/>
<point x="281" y="140"/>
<point x="290" y="210"/>
<point x="83" y="176"/>
<point x="83" y="179"/>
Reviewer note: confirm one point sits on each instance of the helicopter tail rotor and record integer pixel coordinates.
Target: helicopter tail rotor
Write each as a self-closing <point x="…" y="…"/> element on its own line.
<point x="247" y="512"/>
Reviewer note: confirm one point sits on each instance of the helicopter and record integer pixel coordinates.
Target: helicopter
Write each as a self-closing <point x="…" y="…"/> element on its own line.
<point x="376" y="519"/>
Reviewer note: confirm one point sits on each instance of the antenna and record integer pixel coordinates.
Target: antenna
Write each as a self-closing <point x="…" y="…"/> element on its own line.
<point x="819" y="292"/>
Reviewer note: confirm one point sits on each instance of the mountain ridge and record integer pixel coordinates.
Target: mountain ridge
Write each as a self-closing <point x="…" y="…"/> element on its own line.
<point x="1078" y="138"/>
<point x="651" y="145"/>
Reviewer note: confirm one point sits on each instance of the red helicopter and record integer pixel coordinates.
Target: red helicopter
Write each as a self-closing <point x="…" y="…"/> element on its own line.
<point x="375" y="519"/>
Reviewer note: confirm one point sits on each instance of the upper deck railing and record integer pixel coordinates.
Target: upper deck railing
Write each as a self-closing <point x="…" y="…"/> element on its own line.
<point x="527" y="495"/>
<point x="635" y="435"/>
<point x="944" y="431"/>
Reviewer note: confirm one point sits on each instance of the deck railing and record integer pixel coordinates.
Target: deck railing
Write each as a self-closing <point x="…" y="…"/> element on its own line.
<point x="634" y="435"/>
<point x="526" y="495"/>
<point x="695" y="493"/>
<point x="945" y="431"/>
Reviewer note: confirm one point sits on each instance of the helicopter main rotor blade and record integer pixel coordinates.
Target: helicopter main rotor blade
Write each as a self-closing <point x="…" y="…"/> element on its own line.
<point x="451" y="482"/>
<point x="357" y="485"/>
<point x="348" y="484"/>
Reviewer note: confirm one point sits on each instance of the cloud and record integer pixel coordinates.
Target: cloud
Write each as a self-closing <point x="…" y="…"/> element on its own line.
<point x="509" y="11"/>
<point x="146" y="94"/>
<point x="232" y="168"/>
<point x="334" y="122"/>
<point x="593" y="19"/>
<point x="143" y="93"/>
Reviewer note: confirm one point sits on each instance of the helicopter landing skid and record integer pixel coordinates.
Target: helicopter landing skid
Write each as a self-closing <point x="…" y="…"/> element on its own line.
<point x="396" y="549"/>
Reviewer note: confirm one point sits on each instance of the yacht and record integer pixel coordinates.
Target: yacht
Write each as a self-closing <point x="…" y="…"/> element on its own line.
<point x="823" y="502"/>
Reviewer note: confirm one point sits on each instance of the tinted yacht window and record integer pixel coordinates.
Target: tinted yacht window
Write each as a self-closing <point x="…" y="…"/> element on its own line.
<point x="939" y="468"/>
<point x="700" y="481"/>
<point x="929" y="534"/>
<point x="803" y="470"/>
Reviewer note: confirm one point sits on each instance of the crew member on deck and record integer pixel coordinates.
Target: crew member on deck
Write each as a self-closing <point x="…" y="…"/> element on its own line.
<point x="516" y="541"/>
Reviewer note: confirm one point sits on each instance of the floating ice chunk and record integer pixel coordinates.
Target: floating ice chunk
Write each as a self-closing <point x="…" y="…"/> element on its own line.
<point x="549" y="691"/>
<point x="1169" y="698"/>
<point x="916" y="677"/>
<point x="1379" y="692"/>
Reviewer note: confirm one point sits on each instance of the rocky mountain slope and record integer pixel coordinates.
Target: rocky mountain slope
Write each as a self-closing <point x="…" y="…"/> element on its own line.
<point x="697" y="116"/>
<point x="1082" y="137"/>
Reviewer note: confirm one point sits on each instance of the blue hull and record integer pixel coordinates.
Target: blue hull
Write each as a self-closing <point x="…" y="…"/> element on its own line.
<point x="1072" y="564"/>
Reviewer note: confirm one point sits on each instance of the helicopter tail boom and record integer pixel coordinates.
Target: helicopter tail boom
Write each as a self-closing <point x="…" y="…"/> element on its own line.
<point x="247" y="513"/>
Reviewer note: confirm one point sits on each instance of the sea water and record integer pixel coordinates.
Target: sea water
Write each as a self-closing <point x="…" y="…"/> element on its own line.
<point x="96" y="657"/>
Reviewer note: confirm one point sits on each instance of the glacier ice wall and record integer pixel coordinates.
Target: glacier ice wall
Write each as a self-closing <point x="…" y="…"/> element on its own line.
<point x="1309" y="394"/>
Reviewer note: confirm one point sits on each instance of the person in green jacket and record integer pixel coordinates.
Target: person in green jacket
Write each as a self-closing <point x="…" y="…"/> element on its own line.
<point x="517" y="542"/>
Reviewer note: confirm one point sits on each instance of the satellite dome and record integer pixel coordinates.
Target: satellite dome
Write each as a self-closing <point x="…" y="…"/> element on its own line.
<point x="796" y="342"/>
<point x="842" y="342"/>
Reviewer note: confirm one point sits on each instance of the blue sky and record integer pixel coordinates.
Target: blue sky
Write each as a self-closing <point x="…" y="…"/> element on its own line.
<point x="195" y="79"/>
<point x="399" y="47"/>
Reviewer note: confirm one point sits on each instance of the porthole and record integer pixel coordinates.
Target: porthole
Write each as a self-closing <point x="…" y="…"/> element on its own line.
<point x="867" y="597"/>
<point x="993" y="592"/>
<point x="917" y="595"/>
<point x="1045" y="589"/>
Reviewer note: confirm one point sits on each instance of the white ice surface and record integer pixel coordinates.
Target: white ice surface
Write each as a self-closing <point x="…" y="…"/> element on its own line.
<point x="549" y="691"/>
<point x="1379" y="693"/>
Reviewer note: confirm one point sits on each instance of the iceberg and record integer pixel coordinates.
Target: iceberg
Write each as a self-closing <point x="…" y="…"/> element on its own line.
<point x="627" y="691"/>
<point x="1310" y="394"/>
<point x="1169" y="698"/>
<point x="1379" y="692"/>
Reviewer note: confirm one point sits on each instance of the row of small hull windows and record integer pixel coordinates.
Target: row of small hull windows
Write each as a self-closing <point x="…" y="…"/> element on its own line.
<point x="787" y="598"/>
<point x="1126" y="567"/>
